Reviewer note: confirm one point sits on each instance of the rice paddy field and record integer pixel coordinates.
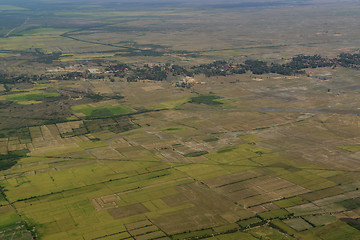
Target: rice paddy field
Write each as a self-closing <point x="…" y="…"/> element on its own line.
<point x="190" y="169"/>
<point x="232" y="157"/>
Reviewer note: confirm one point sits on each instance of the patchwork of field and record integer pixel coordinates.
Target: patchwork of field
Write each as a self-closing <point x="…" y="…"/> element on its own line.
<point x="236" y="163"/>
<point x="95" y="156"/>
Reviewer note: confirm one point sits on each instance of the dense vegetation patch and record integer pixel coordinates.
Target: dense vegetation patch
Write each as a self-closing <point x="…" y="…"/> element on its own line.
<point x="206" y="99"/>
<point x="226" y="149"/>
<point x="355" y="223"/>
<point x="350" y="204"/>
<point x="10" y="159"/>
<point x="172" y="129"/>
<point x="102" y="111"/>
<point x="134" y="73"/>
<point x="31" y="96"/>
<point x="196" y="154"/>
<point x="351" y="148"/>
<point x="214" y="139"/>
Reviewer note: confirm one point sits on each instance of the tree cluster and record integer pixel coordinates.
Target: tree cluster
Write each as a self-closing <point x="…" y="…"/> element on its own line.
<point x="38" y="55"/>
<point x="222" y="68"/>
<point x="349" y="60"/>
<point x="218" y="68"/>
<point x="78" y="75"/>
<point x="6" y="78"/>
<point x="118" y="70"/>
<point x="177" y="70"/>
<point x="155" y="73"/>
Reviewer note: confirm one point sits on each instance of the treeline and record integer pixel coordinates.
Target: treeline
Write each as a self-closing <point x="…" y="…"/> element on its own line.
<point x="223" y="68"/>
<point x="10" y="159"/>
<point x="218" y="68"/>
<point x="349" y="60"/>
<point x="155" y="73"/>
<point x="7" y="78"/>
<point x="133" y="73"/>
<point x="38" y="55"/>
<point x="146" y="72"/>
<point x="77" y="75"/>
<point x="295" y="66"/>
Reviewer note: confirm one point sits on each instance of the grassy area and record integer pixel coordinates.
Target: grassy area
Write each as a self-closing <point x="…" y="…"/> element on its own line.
<point x="213" y="139"/>
<point x="173" y="104"/>
<point x="351" y="148"/>
<point x="239" y="154"/>
<point x="29" y="97"/>
<point x="290" y="202"/>
<point x="298" y="224"/>
<point x="8" y="216"/>
<point x="195" y="154"/>
<point x="250" y="222"/>
<point x="101" y="111"/>
<point x="350" y="204"/>
<point x="336" y="230"/>
<point x="45" y="31"/>
<point x="206" y="99"/>
<point x="321" y="220"/>
<point x="273" y="214"/>
<point x="268" y="233"/>
<point x="251" y="138"/>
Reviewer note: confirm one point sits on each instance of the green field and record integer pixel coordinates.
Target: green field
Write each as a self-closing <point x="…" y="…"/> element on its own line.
<point x="351" y="148"/>
<point x="102" y="111"/>
<point x="24" y="98"/>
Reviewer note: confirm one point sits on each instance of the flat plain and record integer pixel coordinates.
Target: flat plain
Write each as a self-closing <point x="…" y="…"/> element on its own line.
<point x="241" y="156"/>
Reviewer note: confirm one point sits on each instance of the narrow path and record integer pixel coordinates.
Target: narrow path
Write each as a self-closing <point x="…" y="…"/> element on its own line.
<point x="7" y="34"/>
<point x="315" y="111"/>
<point x="69" y="36"/>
